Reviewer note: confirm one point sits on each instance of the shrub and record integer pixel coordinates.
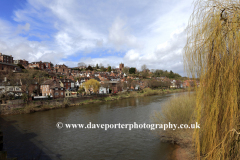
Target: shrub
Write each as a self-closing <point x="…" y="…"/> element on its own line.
<point x="28" y="108"/>
<point x="178" y="110"/>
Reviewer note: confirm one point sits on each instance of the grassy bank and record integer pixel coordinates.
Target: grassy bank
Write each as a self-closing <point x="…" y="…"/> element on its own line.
<point x="31" y="107"/>
<point x="178" y="110"/>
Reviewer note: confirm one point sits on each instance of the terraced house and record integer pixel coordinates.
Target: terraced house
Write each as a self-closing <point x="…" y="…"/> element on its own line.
<point x="39" y="65"/>
<point x="53" y="88"/>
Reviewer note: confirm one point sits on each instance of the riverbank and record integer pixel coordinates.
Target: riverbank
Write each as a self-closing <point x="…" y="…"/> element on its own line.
<point x="45" y="105"/>
<point x="179" y="110"/>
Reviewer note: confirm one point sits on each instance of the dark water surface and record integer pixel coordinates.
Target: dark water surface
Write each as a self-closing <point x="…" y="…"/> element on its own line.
<point x="35" y="136"/>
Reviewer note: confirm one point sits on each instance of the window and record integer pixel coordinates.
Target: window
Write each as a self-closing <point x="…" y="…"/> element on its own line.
<point x="56" y="94"/>
<point x="66" y="94"/>
<point x="10" y="89"/>
<point x="17" y="89"/>
<point x="61" y="93"/>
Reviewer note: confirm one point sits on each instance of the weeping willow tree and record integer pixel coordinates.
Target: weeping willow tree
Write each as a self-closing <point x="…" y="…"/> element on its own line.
<point x="92" y="84"/>
<point x="212" y="54"/>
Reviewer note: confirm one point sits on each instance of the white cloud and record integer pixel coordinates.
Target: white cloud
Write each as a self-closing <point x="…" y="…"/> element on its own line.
<point x="23" y="28"/>
<point x="119" y="35"/>
<point x="149" y="32"/>
<point x="132" y="55"/>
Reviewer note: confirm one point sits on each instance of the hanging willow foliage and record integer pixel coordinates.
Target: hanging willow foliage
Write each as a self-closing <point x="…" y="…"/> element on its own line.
<point x="212" y="54"/>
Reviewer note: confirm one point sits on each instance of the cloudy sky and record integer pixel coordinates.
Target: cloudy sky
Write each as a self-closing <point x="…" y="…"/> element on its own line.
<point x="134" y="32"/>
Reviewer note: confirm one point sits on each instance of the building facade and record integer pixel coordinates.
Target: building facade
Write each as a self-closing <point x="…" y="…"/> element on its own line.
<point x="121" y="66"/>
<point x="22" y="62"/>
<point x="52" y="88"/>
<point x="6" y="58"/>
<point x="39" y="65"/>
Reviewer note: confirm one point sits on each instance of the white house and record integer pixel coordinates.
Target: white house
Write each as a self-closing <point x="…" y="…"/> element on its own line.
<point x="77" y="84"/>
<point x="103" y="90"/>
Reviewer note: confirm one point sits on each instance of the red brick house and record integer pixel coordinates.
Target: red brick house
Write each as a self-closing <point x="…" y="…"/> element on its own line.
<point x="52" y="88"/>
<point x="22" y="62"/>
<point x="6" y="58"/>
<point x="48" y="65"/>
<point x="39" y="65"/>
<point x="66" y="83"/>
<point x="7" y="66"/>
<point x="63" y="69"/>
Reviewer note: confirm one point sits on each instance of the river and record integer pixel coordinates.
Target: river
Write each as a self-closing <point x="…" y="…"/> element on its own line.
<point x="35" y="136"/>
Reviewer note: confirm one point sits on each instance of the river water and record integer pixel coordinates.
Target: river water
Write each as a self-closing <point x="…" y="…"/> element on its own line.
<point x="35" y="136"/>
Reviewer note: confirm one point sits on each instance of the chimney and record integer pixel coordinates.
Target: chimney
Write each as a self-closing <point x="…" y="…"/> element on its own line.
<point x="0" y="54"/>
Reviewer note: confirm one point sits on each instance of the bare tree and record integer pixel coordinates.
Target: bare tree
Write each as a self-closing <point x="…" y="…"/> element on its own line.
<point x="144" y="68"/>
<point x="129" y="83"/>
<point x="125" y="70"/>
<point x="82" y="64"/>
<point x="134" y="84"/>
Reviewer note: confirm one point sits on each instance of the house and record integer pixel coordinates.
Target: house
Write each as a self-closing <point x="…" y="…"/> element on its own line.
<point x="77" y="84"/>
<point x="103" y="90"/>
<point x="68" y="83"/>
<point x="39" y="65"/>
<point x="173" y="84"/>
<point x="48" y="65"/>
<point x="32" y="89"/>
<point x="189" y="83"/>
<point x="63" y="69"/>
<point x="6" y="58"/>
<point x="69" y="94"/>
<point x="8" y="66"/>
<point x="11" y="88"/>
<point x="110" y="87"/>
<point x="53" y="87"/>
<point x="24" y="63"/>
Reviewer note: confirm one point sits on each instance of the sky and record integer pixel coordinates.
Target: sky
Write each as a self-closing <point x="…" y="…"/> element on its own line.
<point x="110" y="32"/>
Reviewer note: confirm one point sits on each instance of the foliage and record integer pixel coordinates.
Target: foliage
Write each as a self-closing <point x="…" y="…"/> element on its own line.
<point x="21" y="66"/>
<point x="81" y="90"/>
<point x="109" y="69"/>
<point x="152" y="83"/>
<point x="81" y="64"/>
<point x="144" y="67"/>
<point x="145" y="74"/>
<point x="92" y="84"/>
<point x="132" y="70"/>
<point x="161" y="73"/>
<point x="212" y="54"/>
<point x="102" y="69"/>
<point x="89" y="68"/>
<point x="125" y="70"/>
<point x="178" y="110"/>
<point x="129" y="83"/>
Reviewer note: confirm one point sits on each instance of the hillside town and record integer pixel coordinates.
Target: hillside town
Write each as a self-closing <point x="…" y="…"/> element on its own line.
<point x="33" y="80"/>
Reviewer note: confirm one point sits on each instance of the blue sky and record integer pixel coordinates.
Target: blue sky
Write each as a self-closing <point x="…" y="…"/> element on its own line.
<point x="133" y="32"/>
